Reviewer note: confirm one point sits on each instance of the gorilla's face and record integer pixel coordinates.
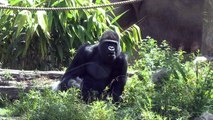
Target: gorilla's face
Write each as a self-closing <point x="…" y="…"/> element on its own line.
<point x="109" y="50"/>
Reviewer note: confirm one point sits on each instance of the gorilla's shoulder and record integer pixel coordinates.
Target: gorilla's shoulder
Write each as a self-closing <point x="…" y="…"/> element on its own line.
<point x="88" y="50"/>
<point x="91" y="48"/>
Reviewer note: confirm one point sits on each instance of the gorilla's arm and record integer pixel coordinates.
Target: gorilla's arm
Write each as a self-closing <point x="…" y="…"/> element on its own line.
<point x="120" y="77"/>
<point x="77" y="67"/>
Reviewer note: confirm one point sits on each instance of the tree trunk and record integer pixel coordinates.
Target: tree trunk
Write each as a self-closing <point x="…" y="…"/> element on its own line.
<point x="207" y="39"/>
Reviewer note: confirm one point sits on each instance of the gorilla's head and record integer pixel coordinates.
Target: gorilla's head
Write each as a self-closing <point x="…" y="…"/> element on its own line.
<point x="109" y="46"/>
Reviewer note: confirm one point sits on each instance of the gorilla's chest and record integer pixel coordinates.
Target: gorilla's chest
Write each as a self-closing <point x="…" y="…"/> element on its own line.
<point x="99" y="70"/>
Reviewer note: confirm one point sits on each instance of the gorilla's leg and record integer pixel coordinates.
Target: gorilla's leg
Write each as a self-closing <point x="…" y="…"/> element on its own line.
<point x="91" y="89"/>
<point x="71" y="77"/>
<point x="85" y="90"/>
<point x="91" y="68"/>
<point x="59" y="85"/>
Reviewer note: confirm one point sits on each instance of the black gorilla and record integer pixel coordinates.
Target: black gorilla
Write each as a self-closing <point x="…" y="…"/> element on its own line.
<point x="99" y="65"/>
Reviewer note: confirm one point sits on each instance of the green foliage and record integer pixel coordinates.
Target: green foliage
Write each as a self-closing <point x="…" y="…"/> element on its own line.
<point x="100" y="110"/>
<point x="164" y="87"/>
<point x="43" y="39"/>
<point x="48" y="105"/>
<point x="182" y="89"/>
<point x="3" y="100"/>
<point x="3" y="112"/>
<point x="7" y="76"/>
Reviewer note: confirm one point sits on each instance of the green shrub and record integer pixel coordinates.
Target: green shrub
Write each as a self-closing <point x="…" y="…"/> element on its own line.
<point x="183" y="91"/>
<point x="100" y="110"/>
<point x="46" y="39"/>
<point x="49" y="105"/>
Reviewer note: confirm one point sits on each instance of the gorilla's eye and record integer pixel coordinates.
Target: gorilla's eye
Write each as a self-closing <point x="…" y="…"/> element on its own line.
<point x="111" y="48"/>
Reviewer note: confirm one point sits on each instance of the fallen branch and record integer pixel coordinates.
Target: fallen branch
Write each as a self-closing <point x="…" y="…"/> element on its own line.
<point x="19" y="75"/>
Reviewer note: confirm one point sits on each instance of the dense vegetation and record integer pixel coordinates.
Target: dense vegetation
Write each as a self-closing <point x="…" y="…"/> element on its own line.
<point x="164" y="86"/>
<point x="47" y="40"/>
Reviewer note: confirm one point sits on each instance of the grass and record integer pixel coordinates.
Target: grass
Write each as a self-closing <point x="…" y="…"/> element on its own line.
<point x="4" y="111"/>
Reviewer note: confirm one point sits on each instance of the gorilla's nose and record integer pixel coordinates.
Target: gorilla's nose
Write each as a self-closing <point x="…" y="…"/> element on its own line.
<point x="111" y="48"/>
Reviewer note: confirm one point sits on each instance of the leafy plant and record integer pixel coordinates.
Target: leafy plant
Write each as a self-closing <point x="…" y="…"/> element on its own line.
<point x="100" y="110"/>
<point x="7" y="76"/>
<point x="182" y="90"/>
<point x="179" y="92"/>
<point x="49" y="105"/>
<point x="43" y="39"/>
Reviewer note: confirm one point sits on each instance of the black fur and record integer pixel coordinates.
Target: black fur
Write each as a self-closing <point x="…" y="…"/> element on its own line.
<point x="99" y="66"/>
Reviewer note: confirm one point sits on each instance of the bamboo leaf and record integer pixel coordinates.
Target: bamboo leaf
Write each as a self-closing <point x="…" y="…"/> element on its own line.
<point x="70" y="3"/>
<point x="14" y="2"/>
<point x="81" y="33"/>
<point x="98" y="1"/>
<point x="20" y="21"/>
<point x="71" y="38"/>
<point x="50" y="21"/>
<point x="136" y="34"/>
<point x="118" y="17"/>
<point x="30" y="2"/>
<point x="90" y="22"/>
<point x="74" y="30"/>
<point x="63" y="21"/>
<point x="123" y="45"/>
<point x="56" y="3"/>
<point x="42" y="21"/>
<point x="30" y="32"/>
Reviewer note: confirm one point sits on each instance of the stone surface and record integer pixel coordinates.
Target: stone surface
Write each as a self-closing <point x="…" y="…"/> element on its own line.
<point x="12" y="82"/>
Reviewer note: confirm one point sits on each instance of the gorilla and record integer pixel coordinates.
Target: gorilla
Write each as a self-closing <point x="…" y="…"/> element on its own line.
<point x="98" y="66"/>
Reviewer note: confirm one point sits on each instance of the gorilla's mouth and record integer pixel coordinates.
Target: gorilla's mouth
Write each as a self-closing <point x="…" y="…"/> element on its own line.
<point x="111" y="54"/>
